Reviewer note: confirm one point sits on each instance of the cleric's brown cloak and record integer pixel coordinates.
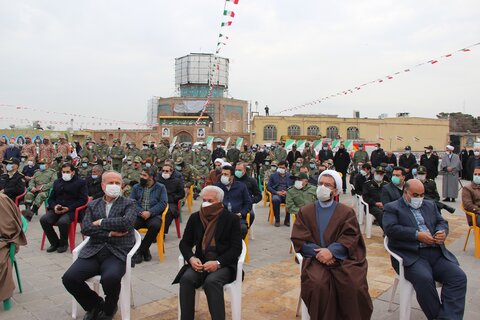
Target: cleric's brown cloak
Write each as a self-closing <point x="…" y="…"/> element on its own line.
<point x="10" y="232"/>
<point x="339" y="291"/>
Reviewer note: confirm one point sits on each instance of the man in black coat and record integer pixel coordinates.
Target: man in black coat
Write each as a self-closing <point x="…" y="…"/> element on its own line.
<point x="293" y="155"/>
<point x="175" y="192"/>
<point x="219" y="152"/>
<point x="377" y="156"/>
<point x="325" y="154"/>
<point x="68" y="193"/>
<point x="363" y="176"/>
<point x="407" y="160"/>
<point x="464" y="158"/>
<point x="252" y="186"/>
<point x="12" y="183"/>
<point x="341" y="160"/>
<point x="215" y="234"/>
<point x="430" y="161"/>
<point x="94" y="182"/>
<point x="394" y="190"/>
<point x="371" y="193"/>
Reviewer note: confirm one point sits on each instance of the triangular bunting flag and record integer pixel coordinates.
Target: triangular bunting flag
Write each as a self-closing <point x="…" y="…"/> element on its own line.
<point x="234" y="1"/>
<point x="226" y="24"/>
<point x="228" y="13"/>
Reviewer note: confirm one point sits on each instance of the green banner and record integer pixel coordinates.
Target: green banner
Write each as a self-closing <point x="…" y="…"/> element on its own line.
<point x="209" y="142"/>
<point x="301" y="145"/>
<point x="317" y="145"/>
<point x="239" y="143"/>
<point x="288" y="144"/>
<point x="227" y="143"/>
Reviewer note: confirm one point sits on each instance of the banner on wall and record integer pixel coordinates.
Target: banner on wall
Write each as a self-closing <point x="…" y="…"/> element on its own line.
<point x="288" y="144"/>
<point x="239" y="143"/>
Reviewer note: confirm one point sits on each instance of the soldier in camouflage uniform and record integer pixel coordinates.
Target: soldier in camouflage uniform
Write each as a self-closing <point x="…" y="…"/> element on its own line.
<point x="39" y="186"/>
<point x="268" y="173"/>
<point x="247" y="156"/>
<point x="177" y="152"/>
<point x="57" y="163"/>
<point x="132" y="150"/>
<point x="205" y="153"/>
<point x="280" y="154"/>
<point x="312" y="168"/>
<point x="201" y="172"/>
<point x="84" y="168"/>
<point x="308" y="153"/>
<point x="132" y="176"/>
<point x="146" y="152"/>
<point x="188" y="155"/>
<point x="63" y="147"/>
<point x="300" y="194"/>
<point x="103" y="150"/>
<point x="127" y="165"/>
<point x="117" y="154"/>
<point x="89" y="152"/>
<point x="265" y="167"/>
<point x="162" y="154"/>
<point x="296" y="166"/>
<point x="107" y="164"/>
<point x="187" y="173"/>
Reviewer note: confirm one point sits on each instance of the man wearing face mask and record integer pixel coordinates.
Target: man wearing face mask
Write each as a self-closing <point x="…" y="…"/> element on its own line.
<point x="12" y="151"/>
<point x="309" y="152"/>
<point x="325" y="154"/>
<point x="219" y="152"/>
<point x="39" y="186"/>
<point x="237" y="199"/>
<point x="430" y="161"/>
<point x="162" y="154"/>
<point x="450" y="167"/>
<point x="278" y="185"/>
<point x="47" y="151"/>
<point x="175" y="193"/>
<point x="334" y="268"/>
<point x="293" y="155"/>
<point x="109" y="224"/>
<point x="417" y="233"/>
<point x="29" y="148"/>
<point x="394" y="190"/>
<point x="377" y="156"/>
<point x="341" y="160"/>
<point x="68" y="193"/>
<point x="301" y="194"/>
<point x="94" y="182"/>
<point x="363" y="176"/>
<point x="84" y="169"/>
<point x="260" y="157"/>
<point x="29" y="168"/>
<point x="150" y="200"/>
<point x="371" y="193"/>
<point x="360" y="155"/>
<point x="473" y="162"/>
<point x="233" y="155"/>
<point x="267" y="173"/>
<point x="117" y="153"/>
<point x="215" y="234"/>
<point x="408" y="161"/>
<point x="471" y="196"/>
<point x="431" y="192"/>
<point x="280" y="154"/>
<point x="12" y="183"/>
<point x="251" y="184"/>
<point x="214" y="175"/>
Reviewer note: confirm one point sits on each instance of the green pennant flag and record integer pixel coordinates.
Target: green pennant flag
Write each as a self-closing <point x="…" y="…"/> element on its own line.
<point x="288" y="144"/>
<point x="239" y="143"/>
<point x="209" y="142"/>
<point x="301" y="145"/>
<point x="227" y="143"/>
<point x="317" y="145"/>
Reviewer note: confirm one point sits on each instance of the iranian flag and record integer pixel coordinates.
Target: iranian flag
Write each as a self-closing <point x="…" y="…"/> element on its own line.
<point x="317" y="145"/>
<point x="335" y="145"/>
<point x="226" y="24"/>
<point x="239" y="143"/>
<point x="234" y="1"/>
<point x="288" y="144"/>
<point x="228" y="13"/>
<point x="301" y="145"/>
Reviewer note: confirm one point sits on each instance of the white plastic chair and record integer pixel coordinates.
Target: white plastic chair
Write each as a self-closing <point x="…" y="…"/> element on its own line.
<point x="234" y="288"/>
<point x="406" y="288"/>
<point x="358" y="206"/>
<point x="305" y="315"/>
<point x="368" y="218"/>
<point x="126" y="292"/>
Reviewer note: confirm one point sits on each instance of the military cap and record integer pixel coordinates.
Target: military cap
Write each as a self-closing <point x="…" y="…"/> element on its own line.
<point x="203" y="159"/>
<point x="103" y="138"/>
<point x="116" y="140"/>
<point x="129" y="158"/>
<point x="84" y="159"/>
<point x="300" y="176"/>
<point x="274" y="163"/>
<point x="421" y="170"/>
<point x="42" y="161"/>
<point x="312" y="160"/>
<point x="380" y="169"/>
<point x="59" y="155"/>
<point x="268" y="158"/>
<point x="137" y="159"/>
<point x="11" y="160"/>
<point x="408" y="148"/>
<point x="430" y="147"/>
<point x="179" y="160"/>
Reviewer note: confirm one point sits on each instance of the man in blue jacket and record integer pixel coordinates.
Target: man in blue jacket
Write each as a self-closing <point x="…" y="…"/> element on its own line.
<point x="237" y="199"/>
<point x="417" y="233"/>
<point x="150" y="201"/>
<point x="278" y="184"/>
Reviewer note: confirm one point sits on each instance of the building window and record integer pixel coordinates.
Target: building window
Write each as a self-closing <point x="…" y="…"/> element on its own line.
<point x="270" y="132"/>
<point x="293" y="130"/>
<point x="313" y="131"/>
<point x="352" y="133"/>
<point x="332" y="132"/>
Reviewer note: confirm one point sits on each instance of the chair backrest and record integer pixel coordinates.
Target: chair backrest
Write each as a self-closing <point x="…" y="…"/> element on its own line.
<point x="471" y="215"/>
<point x="395" y="256"/>
<point x="19" y="197"/>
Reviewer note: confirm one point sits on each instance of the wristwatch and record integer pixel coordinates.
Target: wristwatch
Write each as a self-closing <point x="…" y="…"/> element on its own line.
<point x="218" y="264"/>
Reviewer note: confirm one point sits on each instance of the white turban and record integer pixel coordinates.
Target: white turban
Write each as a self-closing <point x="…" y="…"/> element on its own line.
<point x="451" y="148"/>
<point x="335" y="175"/>
<point x="224" y="164"/>
<point x="219" y="160"/>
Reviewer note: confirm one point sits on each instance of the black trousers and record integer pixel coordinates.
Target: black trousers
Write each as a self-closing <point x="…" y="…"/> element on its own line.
<point x="171" y="215"/>
<point x="433" y="266"/>
<point x="212" y="285"/>
<point x="62" y="221"/>
<point x="153" y="225"/>
<point x="378" y="214"/>
<point x="109" y="267"/>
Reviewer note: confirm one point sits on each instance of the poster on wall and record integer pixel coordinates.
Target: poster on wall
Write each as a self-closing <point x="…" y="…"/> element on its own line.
<point x="166" y="133"/>
<point x="201" y="133"/>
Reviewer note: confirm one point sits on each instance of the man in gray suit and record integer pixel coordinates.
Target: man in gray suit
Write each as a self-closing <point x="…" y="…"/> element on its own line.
<point x="109" y="224"/>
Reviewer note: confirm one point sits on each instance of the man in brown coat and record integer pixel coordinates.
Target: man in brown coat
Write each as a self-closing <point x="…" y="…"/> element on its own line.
<point x="334" y="270"/>
<point x="471" y="195"/>
<point x="29" y="148"/>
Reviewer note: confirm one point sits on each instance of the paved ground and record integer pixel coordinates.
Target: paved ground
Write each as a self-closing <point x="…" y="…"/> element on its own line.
<point x="271" y="286"/>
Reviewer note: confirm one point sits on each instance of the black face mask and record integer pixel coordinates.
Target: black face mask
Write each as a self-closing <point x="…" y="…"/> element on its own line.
<point x="143" y="182"/>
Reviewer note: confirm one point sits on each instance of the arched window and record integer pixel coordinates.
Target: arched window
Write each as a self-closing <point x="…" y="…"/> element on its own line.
<point x="293" y="130"/>
<point x="352" y="133"/>
<point x="269" y="132"/>
<point x="313" y="131"/>
<point x="332" y="132"/>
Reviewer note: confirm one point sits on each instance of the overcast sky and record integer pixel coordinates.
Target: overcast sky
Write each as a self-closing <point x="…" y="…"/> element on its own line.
<point x="107" y="58"/>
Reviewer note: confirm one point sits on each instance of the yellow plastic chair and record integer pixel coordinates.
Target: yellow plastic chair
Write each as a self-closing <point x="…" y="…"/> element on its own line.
<point x="476" y="232"/>
<point x="190" y="199"/>
<point x="265" y="195"/>
<point x="247" y="255"/>
<point x="160" y="236"/>
<point x="271" y="215"/>
<point x="293" y="217"/>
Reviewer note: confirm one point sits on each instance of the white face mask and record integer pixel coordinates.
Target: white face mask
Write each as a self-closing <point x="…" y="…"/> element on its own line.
<point x="378" y="177"/>
<point x="323" y="193"/>
<point x="416" y="203"/>
<point x="298" y="184"/>
<point x="281" y="171"/>
<point x="30" y="163"/>
<point x="166" y="176"/>
<point x="206" y="204"/>
<point x="476" y="153"/>
<point x="113" y="190"/>
<point x="66" y="176"/>
<point x="225" y="180"/>
<point x="363" y="172"/>
<point x="421" y="177"/>
<point x="9" y="167"/>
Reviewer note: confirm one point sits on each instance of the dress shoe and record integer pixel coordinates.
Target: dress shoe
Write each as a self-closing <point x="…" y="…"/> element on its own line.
<point x="147" y="256"/>
<point x="277" y="223"/>
<point x="137" y="258"/>
<point x="93" y="314"/>
<point x="103" y="316"/>
<point x="62" y="248"/>
<point x="449" y="209"/>
<point x="446" y="200"/>
<point x="287" y="223"/>
<point x="52" y="249"/>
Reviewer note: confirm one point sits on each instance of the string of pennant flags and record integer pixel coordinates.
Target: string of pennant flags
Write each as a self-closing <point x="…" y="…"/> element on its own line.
<point x="221" y="42"/>
<point x="381" y="79"/>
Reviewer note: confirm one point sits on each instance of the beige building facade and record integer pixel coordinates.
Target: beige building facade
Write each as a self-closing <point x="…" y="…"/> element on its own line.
<point x="393" y="133"/>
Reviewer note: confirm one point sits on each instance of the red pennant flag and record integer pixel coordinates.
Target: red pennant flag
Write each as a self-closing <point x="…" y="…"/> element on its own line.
<point x="448" y="55"/>
<point x="433" y="61"/>
<point x="234" y="1"/>
<point x="226" y="24"/>
<point x="465" y="50"/>
<point x="380" y="80"/>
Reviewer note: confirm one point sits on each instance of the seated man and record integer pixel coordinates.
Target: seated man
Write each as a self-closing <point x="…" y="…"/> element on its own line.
<point x="363" y="176"/>
<point x="39" y="186"/>
<point x="236" y="198"/>
<point x="301" y="194"/>
<point x="431" y="192"/>
<point x="278" y="184"/>
<point x="242" y="176"/>
<point x="417" y="233"/>
<point x="109" y="224"/>
<point x="214" y="175"/>
<point x="94" y="182"/>
<point x="175" y="193"/>
<point x="10" y="233"/>
<point x="68" y="193"/>
<point x="334" y="270"/>
<point x="394" y="190"/>
<point x="12" y="183"/>
<point x="371" y="193"/>
<point x="471" y="196"/>
<point x="150" y="199"/>
<point x="29" y="169"/>
<point x="215" y="234"/>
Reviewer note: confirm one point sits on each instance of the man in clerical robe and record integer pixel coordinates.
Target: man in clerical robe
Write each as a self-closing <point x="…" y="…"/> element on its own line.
<point x="334" y="270"/>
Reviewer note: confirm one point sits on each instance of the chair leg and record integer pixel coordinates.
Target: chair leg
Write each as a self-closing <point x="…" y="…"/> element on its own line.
<point x="466" y="240"/>
<point x="236" y="303"/>
<point x="43" y="241"/>
<point x="7" y="304"/>
<point x="299" y="303"/>
<point x="197" y="299"/>
<point x="17" y="272"/>
<point x="476" y="235"/>
<point x="177" y="225"/>
<point x="71" y="235"/>
<point x="124" y="302"/>
<point x="394" y="289"/>
<point x="406" y="291"/>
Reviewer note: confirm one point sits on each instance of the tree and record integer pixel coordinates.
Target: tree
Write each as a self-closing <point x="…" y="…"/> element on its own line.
<point x="460" y="122"/>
